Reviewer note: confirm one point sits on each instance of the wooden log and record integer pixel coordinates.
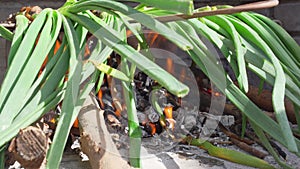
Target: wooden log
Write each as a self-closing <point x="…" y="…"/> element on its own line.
<point x="95" y="139"/>
<point x="29" y="147"/>
<point x="264" y="101"/>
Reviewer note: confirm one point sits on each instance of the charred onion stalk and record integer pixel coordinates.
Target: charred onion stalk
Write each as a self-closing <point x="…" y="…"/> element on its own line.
<point x="227" y="154"/>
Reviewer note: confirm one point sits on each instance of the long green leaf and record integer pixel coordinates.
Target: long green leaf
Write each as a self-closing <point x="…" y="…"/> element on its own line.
<point x="21" y="26"/>
<point x="133" y="28"/>
<point x="135" y="132"/>
<point x="201" y="55"/>
<point x="49" y="103"/>
<point x="22" y="55"/>
<point x="268" y="146"/>
<point x="28" y="75"/>
<point x="279" y="85"/>
<point x="5" y="33"/>
<point x="285" y="37"/>
<point x="215" y="38"/>
<point x="110" y="71"/>
<point x="279" y="43"/>
<point x="242" y="75"/>
<point x="55" y="76"/>
<point x="182" y="6"/>
<point x="49" y="79"/>
<point x="256" y="60"/>
<point x="70" y="103"/>
<point x="2" y="156"/>
<point x="236" y="96"/>
<point x="231" y="155"/>
<point x="215" y="27"/>
<point x="102" y="32"/>
<point x="136" y="15"/>
<point x="271" y="40"/>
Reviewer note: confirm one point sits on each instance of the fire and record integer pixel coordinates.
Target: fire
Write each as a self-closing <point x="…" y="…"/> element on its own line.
<point x="169" y="117"/>
<point x="170" y="66"/>
<point x="76" y="123"/>
<point x="57" y="46"/>
<point x="153" y="128"/>
<point x="100" y="94"/>
<point x="155" y="36"/>
<point x="182" y="75"/>
<point x="118" y="112"/>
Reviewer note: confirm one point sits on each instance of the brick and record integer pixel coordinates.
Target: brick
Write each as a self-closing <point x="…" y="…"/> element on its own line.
<point x="288" y="14"/>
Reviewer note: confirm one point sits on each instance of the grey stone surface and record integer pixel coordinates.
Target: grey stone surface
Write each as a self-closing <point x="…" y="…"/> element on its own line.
<point x="73" y="161"/>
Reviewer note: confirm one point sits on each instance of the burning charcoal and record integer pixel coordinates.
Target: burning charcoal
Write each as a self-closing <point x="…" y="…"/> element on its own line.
<point x="170" y="122"/>
<point x="160" y="97"/>
<point x="148" y="130"/>
<point x="116" y="93"/>
<point x="195" y="131"/>
<point x="174" y="100"/>
<point x="227" y="120"/>
<point x="153" y="128"/>
<point x="190" y="119"/>
<point x="105" y="99"/>
<point x="148" y="82"/>
<point x="111" y="118"/>
<point x="159" y="128"/>
<point x="152" y="115"/>
<point x="114" y="61"/>
<point x="209" y="126"/>
<point x="141" y="76"/>
<point x="176" y="113"/>
<point x="202" y="119"/>
<point x="142" y="118"/>
<point x="142" y="103"/>
<point x="145" y="133"/>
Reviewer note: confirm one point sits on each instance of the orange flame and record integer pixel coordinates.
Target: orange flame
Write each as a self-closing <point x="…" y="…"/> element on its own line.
<point x="169" y="116"/>
<point x="170" y="66"/>
<point x="155" y="35"/>
<point x="182" y="74"/>
<point x="76" y="123"/>
<point x="57" y="45"/>
<point x="100" y="94"/>
<point x="153" y="128"/>
<point x="118" y="112"/>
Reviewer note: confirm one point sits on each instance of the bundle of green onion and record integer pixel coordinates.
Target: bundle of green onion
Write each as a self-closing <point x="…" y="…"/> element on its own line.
<point x="248" y="41"/>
